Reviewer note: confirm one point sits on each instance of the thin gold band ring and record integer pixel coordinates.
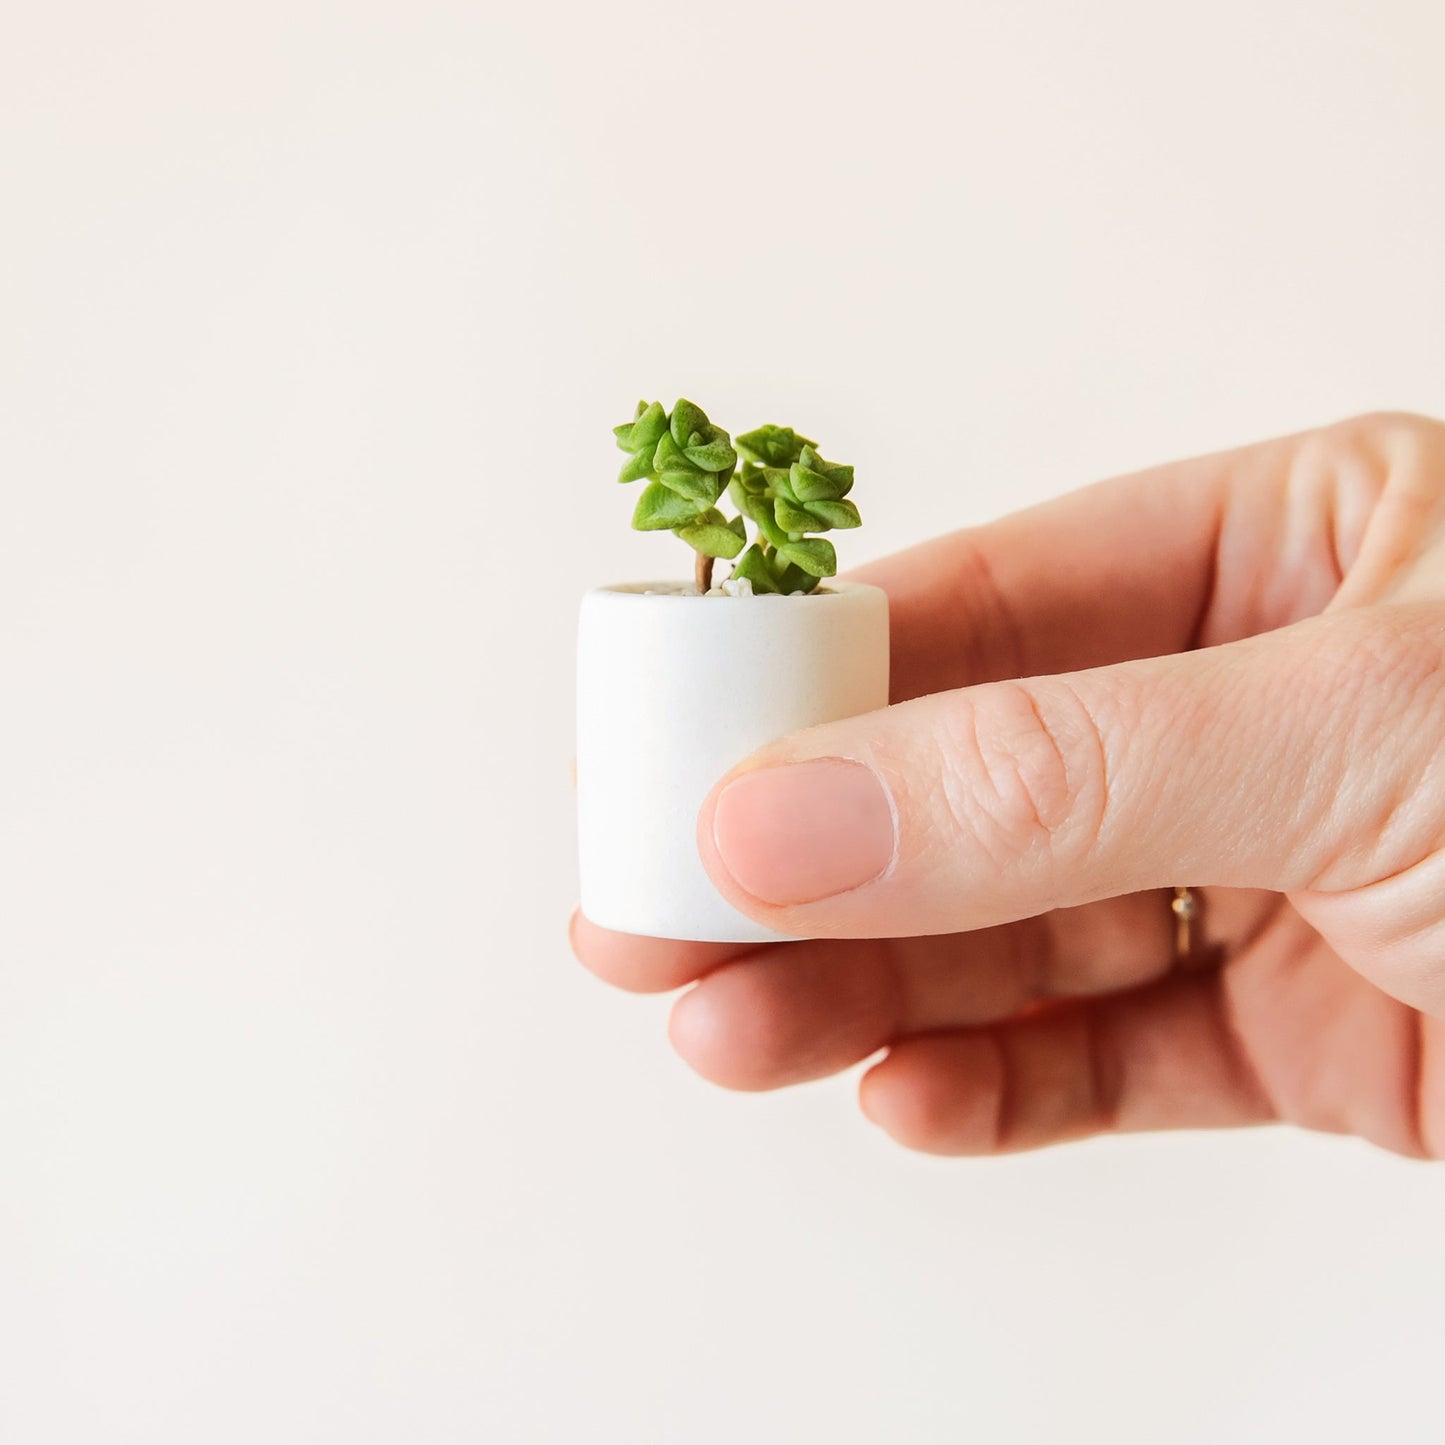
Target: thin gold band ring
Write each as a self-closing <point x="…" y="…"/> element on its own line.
<point x="1185" y="908"/>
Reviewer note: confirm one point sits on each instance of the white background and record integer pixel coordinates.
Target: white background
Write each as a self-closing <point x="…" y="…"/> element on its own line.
<point x="313" y="322"/>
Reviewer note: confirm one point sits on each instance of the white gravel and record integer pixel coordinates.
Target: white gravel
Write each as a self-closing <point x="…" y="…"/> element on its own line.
<point x="742" y="587"/>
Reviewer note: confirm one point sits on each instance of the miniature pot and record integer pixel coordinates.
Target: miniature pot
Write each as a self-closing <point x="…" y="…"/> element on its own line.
<point x="672" y="691"/>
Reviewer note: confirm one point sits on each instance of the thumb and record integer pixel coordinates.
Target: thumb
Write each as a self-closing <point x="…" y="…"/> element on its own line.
<point x="1286" y="761"/>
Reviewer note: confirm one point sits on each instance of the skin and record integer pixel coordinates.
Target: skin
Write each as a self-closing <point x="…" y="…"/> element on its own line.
<point x="1228" y="673"/>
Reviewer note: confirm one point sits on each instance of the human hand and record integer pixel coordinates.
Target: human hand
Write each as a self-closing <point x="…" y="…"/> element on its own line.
<point x="1226" y="672"/>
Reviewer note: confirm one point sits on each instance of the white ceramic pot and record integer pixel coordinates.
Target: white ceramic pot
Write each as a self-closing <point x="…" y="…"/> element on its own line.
<point x="672" y="691"/>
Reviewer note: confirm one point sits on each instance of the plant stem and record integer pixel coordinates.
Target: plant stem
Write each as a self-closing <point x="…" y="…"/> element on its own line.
<point x="703" y="573"/>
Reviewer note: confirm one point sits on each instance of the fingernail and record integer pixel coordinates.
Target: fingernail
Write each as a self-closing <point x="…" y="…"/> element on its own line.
<point x="804" y="831"/>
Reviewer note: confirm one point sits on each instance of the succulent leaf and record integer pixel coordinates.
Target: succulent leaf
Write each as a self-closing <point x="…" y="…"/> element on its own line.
<point x="636" y="467"/>
<point x="634" y="434"/>
<point x="793" y="519"/>
<point x="782" y="485"/>
<point x="667" y="453"/>
<point x="815" y="555"/>
<point x="793" y="579"/>
<point x="659" y="509"/>
<point x="773" y="446"/>
<point x="711" y="535"/>
<point x="814" y="486"/>
<point x="754" y="566"/>
<point x="835" y="514"/>
<point x="760" y="513"/>
<point x="687" y="418"/>
<point x="649" y="425"/>
<point x="700" y="487"/>
<point x="712" y="456"/>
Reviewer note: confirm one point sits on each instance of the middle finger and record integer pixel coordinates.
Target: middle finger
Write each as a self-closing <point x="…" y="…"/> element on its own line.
<point x="788" y="1013"/>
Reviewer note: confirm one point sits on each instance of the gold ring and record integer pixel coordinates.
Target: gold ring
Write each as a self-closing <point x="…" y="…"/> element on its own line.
<point x="1185" y="908"/>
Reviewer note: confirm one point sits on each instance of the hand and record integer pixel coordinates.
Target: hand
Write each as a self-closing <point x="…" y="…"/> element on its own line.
<point x="1226" y="672"/>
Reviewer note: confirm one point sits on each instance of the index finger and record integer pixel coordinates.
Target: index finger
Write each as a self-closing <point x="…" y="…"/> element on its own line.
<point x="1188" y="554"/>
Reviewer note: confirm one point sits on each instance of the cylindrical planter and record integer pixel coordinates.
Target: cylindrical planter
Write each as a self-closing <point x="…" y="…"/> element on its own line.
<point x="672" y="691"/>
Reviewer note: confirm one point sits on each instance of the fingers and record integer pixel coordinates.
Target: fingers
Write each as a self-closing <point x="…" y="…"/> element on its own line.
<point x="976" y="1062"/>
<point x="1288" y="761"/>
<point x="1109" y="945"/>
<point x="1392" y="930"/>
<point x="785" y="1013"/>
<point x="644" y="965"/>
<point x="1330" y="1049"/>
<point x="1162" y="1058"/>
<point x="803" y="1011"/>
<point x="1197" y="552"/>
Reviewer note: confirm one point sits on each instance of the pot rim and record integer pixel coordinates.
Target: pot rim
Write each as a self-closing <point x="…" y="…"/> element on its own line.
<point x="641" y="590"/>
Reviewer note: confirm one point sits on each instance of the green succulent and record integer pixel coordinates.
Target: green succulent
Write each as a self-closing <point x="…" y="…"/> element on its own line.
<point x="783" y="487"/>
<point x="686" y="462"/>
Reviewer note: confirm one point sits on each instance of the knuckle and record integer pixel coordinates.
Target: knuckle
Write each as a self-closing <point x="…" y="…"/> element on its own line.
<point x="1024" y="770"/>
<point x="1387" y="657"/>
<point x="1339" y="475"/>
<point x="1396" y="448"/>
<point x="1378" y="675"/>
<point x="1392" y="434"/>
